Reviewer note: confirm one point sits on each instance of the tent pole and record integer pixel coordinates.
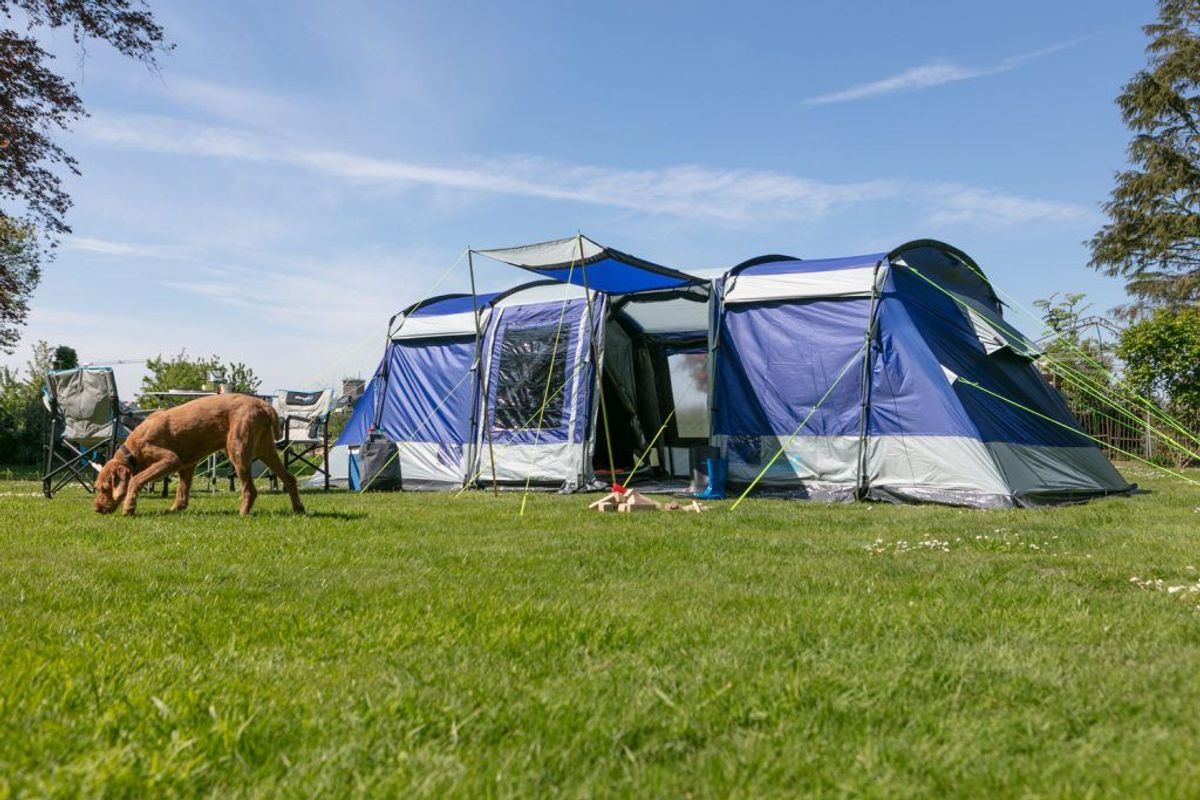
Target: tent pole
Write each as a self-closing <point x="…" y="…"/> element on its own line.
<point x="479" y="372"/>
<point x="587" y="293"/>
<point x="860" y="491"/>
<point x="716" y="313"/>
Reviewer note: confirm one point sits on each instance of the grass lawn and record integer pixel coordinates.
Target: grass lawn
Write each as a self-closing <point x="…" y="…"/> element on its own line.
<point x="415" y="644"/>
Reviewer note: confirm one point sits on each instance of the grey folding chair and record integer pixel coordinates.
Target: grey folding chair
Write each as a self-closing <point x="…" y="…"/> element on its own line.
<point x="85" y="426"/>
<point x="304" y="417"/>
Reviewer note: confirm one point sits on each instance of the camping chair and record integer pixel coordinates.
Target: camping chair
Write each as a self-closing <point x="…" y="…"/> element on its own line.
<point x="86" y="423"/>
<point x="305" y="420"/>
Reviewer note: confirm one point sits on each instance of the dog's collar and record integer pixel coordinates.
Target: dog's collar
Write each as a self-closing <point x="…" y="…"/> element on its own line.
<point x="130" y="460"/>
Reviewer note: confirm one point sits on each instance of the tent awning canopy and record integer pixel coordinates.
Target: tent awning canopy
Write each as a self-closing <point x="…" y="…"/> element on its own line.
<point x="583" y="262"/>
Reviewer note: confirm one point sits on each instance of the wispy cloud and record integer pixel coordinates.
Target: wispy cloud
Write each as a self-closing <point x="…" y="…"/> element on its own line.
<point x="106" y="247"/>
<point x="935" y="73"/>
<point x="953" y="204"/>
<point x="303" y="308"/>
<point x="232" y="102"/>
<point x="735" y="196"/>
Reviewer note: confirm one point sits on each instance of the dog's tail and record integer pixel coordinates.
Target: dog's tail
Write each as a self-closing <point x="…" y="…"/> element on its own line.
<point x="276" y="430"/>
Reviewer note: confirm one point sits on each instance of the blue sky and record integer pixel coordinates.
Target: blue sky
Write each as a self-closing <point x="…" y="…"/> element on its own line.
<point x="298" y="171"/>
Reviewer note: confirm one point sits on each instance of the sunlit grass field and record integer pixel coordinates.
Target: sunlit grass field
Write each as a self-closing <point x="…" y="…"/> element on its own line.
<point x="414" y="644"/>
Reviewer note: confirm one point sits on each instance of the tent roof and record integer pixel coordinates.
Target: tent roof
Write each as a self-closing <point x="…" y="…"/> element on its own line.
<point x="583" y="262"/>
<point x="770" y="278"/>
<point x="444" y="304"/>
<point x="777" y="277"/>
<point x="785" y="265"/>
<point x="535" y="292"/>
<point x="454" y="314"/>
<point x="440" y="316"/>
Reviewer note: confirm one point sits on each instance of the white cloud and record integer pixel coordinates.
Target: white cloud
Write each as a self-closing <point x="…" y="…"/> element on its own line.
<point x="964" y="204"/>
<point x="935" y="73"/>
<point x="235" y="103"/>
<point x="105" y="247"/>
<point x="321" y="315"/>
<point x="735" y="196"/>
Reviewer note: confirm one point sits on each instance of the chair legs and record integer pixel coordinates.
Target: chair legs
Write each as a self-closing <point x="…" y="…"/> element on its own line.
<point x="313" y="455"/>
<point x="68" y="462"/>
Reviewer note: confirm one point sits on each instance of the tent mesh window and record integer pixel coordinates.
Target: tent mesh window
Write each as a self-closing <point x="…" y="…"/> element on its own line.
<point x="526" y="359"/>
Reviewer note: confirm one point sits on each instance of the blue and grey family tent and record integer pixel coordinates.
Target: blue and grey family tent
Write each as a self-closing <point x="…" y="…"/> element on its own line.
<point x="890" y="376"/>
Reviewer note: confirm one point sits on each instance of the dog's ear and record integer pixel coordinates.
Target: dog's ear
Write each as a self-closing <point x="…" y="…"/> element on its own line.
<point x="120" y="481"/>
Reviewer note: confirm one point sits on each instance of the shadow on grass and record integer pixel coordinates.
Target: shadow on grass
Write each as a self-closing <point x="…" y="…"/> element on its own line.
<point x="345" y="516"/>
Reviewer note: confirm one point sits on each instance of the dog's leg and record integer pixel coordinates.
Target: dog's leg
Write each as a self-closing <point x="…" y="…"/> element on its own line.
<point x="270" y="456"/>
<point x="184" y="488"/>
<point x="164" y="466"/>
<point x="242" y="459"/>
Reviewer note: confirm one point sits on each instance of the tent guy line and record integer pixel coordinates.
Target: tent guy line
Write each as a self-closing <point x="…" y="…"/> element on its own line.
<point x="783" y="447"/>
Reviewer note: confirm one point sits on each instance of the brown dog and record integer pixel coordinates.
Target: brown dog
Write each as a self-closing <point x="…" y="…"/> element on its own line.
<point x="176" y="439"/>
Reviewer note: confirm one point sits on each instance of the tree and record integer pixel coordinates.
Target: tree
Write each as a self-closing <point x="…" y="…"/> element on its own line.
<point x="19" y="274"/>
<point x="1061" y="316"/>
<point x="22" y="415"/>
<point x="240" y="378"/>
<point x="183" y="372"/>
<point x="64" y="358"/>
<point x="1152" y="238"/>
<point x="1077" y="363"/>
<point x="36" y="103"/>
<point x="1162" y="360"/>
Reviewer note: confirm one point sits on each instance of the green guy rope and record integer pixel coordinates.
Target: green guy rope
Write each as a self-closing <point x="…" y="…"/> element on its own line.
<point x="1053" y="421"/>
<point x="796" y="432"/>
<point x="1132" y="397"/>
<point x="649" y="447"/>
<point x="1156" y="412"/>
<point x="546" y="392"/>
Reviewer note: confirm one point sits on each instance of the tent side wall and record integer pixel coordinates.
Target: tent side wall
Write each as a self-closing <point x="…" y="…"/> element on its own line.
<point x="426" y="409"/>
<point x="774" y="363"/>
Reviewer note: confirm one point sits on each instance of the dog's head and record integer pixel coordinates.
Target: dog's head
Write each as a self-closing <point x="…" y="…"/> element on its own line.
<point x="111" y="484"/>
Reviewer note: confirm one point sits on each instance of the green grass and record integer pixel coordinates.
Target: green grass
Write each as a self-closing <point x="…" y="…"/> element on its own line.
<point x="417" y="644"/>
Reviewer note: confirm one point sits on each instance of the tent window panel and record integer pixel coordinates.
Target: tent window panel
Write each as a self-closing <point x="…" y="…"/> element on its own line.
<point x="528" y="358"/>
<point x="689" y="386"/>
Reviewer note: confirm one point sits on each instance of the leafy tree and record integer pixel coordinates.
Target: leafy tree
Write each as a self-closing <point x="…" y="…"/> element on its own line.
<point x="1162" y="360"/>
<point x="240" y="378"/>
<point x="1077" y="361"/>
<point x="183" y="372"/>
<point x="1061" y="313"/>
<point x="36" y="104"/>
<point x="64" y="358"/>
<point x="22" y="415"/>
<point x="19" y="274"/>
<point x="1152" y="238"/>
